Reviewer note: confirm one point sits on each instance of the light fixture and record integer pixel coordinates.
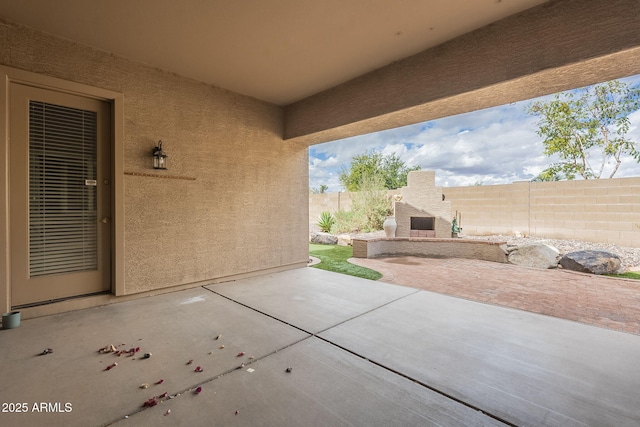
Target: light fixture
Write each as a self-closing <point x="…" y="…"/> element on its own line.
<point x="159" y="157"/>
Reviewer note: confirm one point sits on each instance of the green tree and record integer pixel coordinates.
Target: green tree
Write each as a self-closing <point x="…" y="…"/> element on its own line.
<point x="390" y="168"/>
<point x="587" y="129"/>
<point x="320" y="190"/>
<point x="548" y="175"/>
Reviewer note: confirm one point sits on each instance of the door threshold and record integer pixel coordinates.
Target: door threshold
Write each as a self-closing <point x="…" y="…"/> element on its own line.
<point x="57" y="300"/>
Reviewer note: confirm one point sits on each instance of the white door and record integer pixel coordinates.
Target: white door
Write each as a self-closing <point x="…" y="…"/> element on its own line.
<point x="60" y="195"/>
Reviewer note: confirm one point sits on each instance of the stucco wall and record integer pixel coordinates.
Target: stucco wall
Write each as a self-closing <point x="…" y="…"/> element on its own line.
<point x="243" y="206"/>
<point x="421" y="197"/>
<point x="559" y="45"/>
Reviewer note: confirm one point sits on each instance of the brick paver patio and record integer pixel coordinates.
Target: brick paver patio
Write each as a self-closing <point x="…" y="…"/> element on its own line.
<point x="595" y="300"/>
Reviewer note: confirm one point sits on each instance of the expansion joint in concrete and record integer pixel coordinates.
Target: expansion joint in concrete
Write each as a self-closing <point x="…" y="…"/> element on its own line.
<point x="317" y="335"/>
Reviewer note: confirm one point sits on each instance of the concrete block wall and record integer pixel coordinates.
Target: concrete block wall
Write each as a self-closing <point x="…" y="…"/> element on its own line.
<point x="606" y="210"/>
<point x="596" y="210"/>
<point x="491" y="209"/>
<point x="327" y="202"/>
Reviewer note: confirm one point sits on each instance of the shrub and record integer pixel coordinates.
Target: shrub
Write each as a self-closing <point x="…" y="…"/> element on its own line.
<point x="369" y="208"/>
<point x="346" y="222"/>
<point x="326" y="221"/>
<point x="372" y="203"/>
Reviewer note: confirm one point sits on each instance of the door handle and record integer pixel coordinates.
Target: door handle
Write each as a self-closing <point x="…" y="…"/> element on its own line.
<point x="106" y="220"/>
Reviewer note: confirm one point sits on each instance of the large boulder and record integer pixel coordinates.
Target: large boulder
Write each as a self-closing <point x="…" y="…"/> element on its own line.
<point x="536" y="256"/>
<point x="344" y="240"/>
<point x="594" y="262"/>
<point x="323" y="238"/>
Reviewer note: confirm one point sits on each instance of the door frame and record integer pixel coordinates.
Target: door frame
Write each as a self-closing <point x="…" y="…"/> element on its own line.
<point x="116" y="100"/>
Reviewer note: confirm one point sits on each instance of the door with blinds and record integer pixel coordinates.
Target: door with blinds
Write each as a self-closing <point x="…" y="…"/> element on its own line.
<point x="59" y="195"/>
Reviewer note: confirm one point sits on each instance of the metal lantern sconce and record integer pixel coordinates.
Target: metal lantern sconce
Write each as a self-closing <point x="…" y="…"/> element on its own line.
<point x="159" y="157"/>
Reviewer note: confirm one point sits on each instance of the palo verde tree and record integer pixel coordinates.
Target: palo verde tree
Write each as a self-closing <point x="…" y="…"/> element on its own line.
<point x="587" y="129"/>
<point x="391" y="170"/>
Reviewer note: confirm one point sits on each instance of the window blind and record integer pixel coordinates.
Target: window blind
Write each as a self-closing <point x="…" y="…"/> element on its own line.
<point x="62" y="189"/>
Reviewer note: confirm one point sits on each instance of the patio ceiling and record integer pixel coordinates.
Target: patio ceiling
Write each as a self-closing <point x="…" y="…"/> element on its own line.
<point x="279" y="51"/>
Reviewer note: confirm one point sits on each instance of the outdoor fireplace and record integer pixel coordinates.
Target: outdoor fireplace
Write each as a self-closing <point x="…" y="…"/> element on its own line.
<point x="420" y="208"/>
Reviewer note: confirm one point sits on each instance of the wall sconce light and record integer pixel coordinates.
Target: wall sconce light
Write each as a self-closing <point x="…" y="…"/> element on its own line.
<point x="159" y="157"/>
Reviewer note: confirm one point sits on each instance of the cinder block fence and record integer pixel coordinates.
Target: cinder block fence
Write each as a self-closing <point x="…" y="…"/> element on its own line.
<point x="605" y="210"/>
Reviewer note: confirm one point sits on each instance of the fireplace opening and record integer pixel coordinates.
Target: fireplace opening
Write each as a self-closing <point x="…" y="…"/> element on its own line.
<point x="422" y="223"/>
<point x="423" y="226"/>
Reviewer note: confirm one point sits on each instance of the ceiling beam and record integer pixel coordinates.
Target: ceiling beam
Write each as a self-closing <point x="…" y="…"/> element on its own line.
<point x="559" y="45"/>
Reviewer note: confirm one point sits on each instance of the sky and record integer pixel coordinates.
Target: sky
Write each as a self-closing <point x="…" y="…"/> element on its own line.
<point x="497" y="145"/>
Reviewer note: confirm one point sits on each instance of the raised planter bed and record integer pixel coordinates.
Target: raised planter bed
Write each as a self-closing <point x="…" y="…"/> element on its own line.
<point x="430" y="247"/>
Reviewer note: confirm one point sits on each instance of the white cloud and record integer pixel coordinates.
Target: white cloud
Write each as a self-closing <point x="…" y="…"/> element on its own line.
<point x="493" y="146"/>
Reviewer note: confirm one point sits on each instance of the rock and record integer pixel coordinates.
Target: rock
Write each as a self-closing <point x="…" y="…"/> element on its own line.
<point x="590" y="261"/>
<point x="344" y="240"/>
<point x="536" y="256"/>
<point x="323" y="238"/>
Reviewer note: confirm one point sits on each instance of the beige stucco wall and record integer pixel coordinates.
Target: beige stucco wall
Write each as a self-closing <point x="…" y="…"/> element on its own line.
<point x="243" y="205"/>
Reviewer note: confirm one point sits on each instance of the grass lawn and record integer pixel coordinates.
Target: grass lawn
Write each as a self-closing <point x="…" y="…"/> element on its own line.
<point x="627" y="275"/>
<point x="334" y="258"/>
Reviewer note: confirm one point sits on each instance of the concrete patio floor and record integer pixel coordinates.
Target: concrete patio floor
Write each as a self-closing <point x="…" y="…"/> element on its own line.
<point x="361" y="353"/>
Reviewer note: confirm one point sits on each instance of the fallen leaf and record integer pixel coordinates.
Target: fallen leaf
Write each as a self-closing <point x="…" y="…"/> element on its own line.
<point x="241" y="354"/>
<point x="113" y="365"/>
<point x="145" y="385"/>
<point x="151" y="402"/>
<point x="190" y="362"/>
<point x="198" y="369"/>
<point x="168" y="412"/>
<point x="218" y="337"/>
<point x="107" y="349"/>
<point x="198" y="390"/>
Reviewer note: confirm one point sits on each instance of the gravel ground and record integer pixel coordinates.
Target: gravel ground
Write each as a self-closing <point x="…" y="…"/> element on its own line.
<point x="630" y="256"/>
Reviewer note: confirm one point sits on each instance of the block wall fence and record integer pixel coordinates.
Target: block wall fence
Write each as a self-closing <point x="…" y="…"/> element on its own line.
<point x="604" y="211"/>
